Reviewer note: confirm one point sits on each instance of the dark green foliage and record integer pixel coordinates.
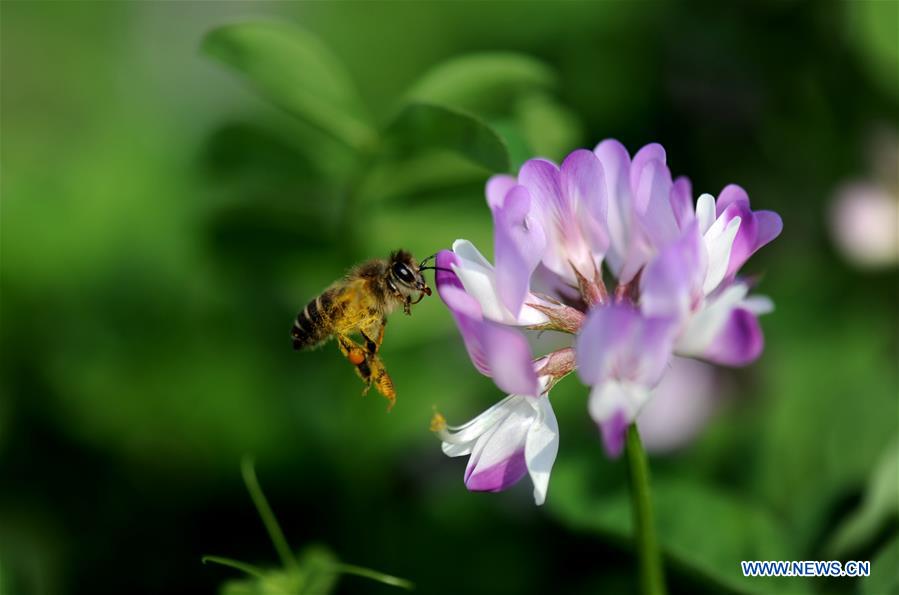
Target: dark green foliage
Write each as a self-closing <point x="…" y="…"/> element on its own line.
<point x="161" y="226"/>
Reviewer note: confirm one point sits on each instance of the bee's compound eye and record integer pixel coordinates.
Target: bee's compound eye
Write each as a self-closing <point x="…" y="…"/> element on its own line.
<point x="403" y="273"/>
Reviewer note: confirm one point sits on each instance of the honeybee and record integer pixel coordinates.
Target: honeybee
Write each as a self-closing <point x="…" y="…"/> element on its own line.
<point x="360" y="303"/>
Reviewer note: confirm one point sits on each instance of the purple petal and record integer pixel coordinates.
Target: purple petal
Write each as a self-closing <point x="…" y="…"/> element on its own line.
<point x="739" y="343"/>
<point x="652" y="200"/>
<point x="652" y="152"/>
<point x="744" y="242"/>
<point x="519" y="245"/>
<point x="616" y="164"/>
<point x="617" y="343"/>
<point x="769" y="227"/>
<point x="672" y="282"/>
<point x="606" y="332"/>
<point x="497" y="351"/>
<point x="467" y="313"/>
<point x="682" y="201"/>
<point x="756" y="229"/>
<point x="583" y="185"/>
<point x="497" y="188"/>
<point x="582" y="181"/>
<point x="542" y="179"/>
<point x="614" y="432"/>
<point x="730" y="195"/>
<point x="498" y="476"/>
<point x="651" y="187"/>
<point x="509" y="359"/>
<point x="444" y="275"/>
<point x="654" y="346"/>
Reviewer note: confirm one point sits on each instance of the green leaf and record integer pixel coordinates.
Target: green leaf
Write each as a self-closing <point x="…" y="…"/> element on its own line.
<point x="549" y="128"/>
<point x="294" y="70"/>
<point x="260" y="581"/>
<point x="880" y="504"/>
<point x="872" y="29"/>
<point x="420" y="127"/>
<point x="422" y="176"/>
<point x="275" y="582"/>
<point x="884" y="579"/>
<point x="319" y="567"/>
<point x="818" y="440"/>
<point x="486" y="82"/>
<point x="702" y="530"/>
<point x="520" y="149"/>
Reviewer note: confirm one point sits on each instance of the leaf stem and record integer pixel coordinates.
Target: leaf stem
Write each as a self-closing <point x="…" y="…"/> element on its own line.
<point x="387" y="579"/>
<point x="248" y="470"/>
<point x="236" y="564"/>
<point x="649" y="558"/>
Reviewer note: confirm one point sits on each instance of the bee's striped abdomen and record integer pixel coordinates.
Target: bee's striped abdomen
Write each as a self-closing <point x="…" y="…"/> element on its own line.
<point x="312" y="324"/>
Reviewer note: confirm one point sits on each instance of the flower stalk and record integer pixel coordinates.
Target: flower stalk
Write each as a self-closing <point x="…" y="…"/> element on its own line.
<point x="649" y="557"/>
<point x="248" y="470"/>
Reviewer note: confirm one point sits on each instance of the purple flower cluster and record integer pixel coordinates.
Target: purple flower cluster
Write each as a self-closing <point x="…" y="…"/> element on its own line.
<point x="670" y="286"/>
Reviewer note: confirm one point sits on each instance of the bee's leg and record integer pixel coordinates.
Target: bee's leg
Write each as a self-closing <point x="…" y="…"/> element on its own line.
<point x="351" y="350"/>
<point x="382" y="380"/>
<point x="374" y="335"/>
<point x="370" y="346"/>
<point x="380" y="338"/>
<point x="356" y="356"/>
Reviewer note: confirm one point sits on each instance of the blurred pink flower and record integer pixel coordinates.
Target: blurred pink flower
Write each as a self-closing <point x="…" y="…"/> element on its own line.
<point x="864" y="221"/>
<point x="682" y="403"/>
<point x="864" y="213"/>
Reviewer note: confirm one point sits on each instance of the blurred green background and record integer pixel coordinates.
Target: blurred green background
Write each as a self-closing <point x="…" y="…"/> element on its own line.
<point x="167" y="210"/>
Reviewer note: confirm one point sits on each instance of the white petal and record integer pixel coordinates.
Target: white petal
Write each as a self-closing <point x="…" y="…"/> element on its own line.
<point x="529" y="316"/>
<point x="480" y="283"/>
<point x="479" y="279"/>
<point x="705" y="212"/>
<point x="505" y="438"/>
<point x="467" y="251"/>
<point x="758" y="304"/>
<point x="612" y="396"/>
<point x="459" y="440"/>
<point x="469" y="432"/>
<point x="718" y="242"/>
<point x="456" y="450"/>
<point x="541" y="447"/>
<point x="478" y="449"/>
<point x="705" y="325"/>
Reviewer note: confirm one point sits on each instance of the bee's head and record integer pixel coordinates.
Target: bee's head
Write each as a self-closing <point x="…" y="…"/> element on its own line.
<point x="406" y="276"/>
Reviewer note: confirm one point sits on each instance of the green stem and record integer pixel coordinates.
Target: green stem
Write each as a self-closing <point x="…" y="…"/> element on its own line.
<point x="265" y="513"/>
<point x="236" y="564"/>
<point x="649" y="558"/>
<point x="387" y="579"/>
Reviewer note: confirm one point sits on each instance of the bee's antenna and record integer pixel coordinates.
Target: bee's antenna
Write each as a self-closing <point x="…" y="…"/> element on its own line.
<point x="436" y="268"/>
<point x="431" y="257"/>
